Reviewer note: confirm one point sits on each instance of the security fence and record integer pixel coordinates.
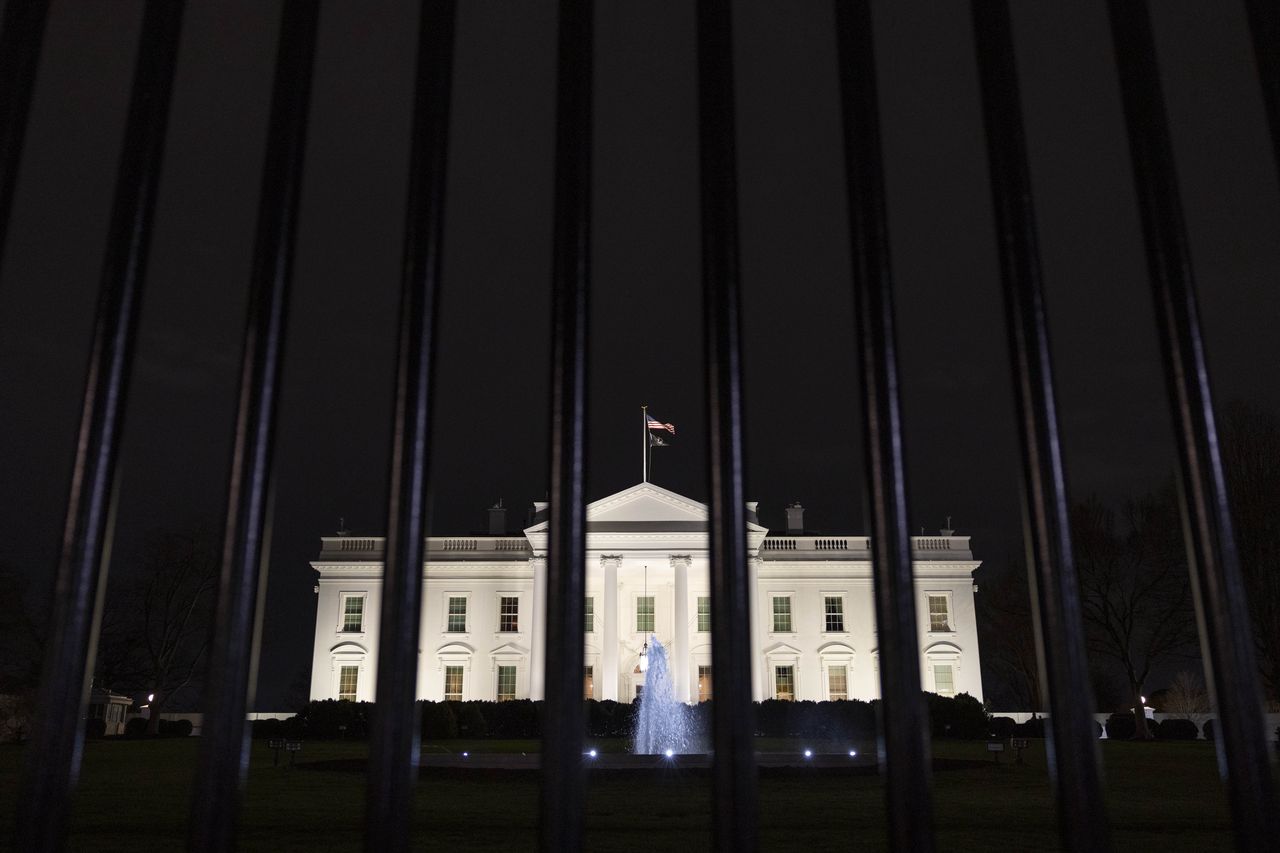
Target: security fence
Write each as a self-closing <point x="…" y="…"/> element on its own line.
<point x="53" y="756"/>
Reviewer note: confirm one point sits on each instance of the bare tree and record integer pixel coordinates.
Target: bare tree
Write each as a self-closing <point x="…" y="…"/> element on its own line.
<point x="21" y="644"/>
<point x="1135" y="590"/>
<point x="1008" y="641"/>
<point x="1186" y="696"/>
<point x="155" y="630"/>
<point x="1251" y="457"/>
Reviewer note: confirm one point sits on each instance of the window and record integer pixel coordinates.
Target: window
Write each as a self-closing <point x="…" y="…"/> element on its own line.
<point x="782" y="614"/>
<point x="509" y="614"/>
<point x="834" y="608"/>
<point x="639" y="691"/>
<point x="589" y="681"/>
<point x="939" y="617"/>
<point x="704" y="613"/>
<point x="837" y="683"/>
<point x="353" y="613"/>
<point x="943" y="682"/>
<point x="644" y="614"/>
<point x="453" y="683"/>
<point x="704" y="683"/>
<point x="506" y="683"/>
<point x="348" y="678"/>
<point x="589" y="615"/>
<point x="784" y="678"/>
<point x="457" y="615"/>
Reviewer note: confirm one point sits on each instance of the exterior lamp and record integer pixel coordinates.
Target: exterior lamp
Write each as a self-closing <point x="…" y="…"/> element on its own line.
<point x="592" y="753"/>
<point x="852" y="753"/>
<point x="644" y="657"/>
<point x="808" y="753"/>
<point x="670" y="753"/>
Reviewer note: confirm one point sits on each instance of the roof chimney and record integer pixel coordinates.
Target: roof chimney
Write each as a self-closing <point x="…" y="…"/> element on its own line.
<point x="497" y="520"/>
<point x="948" y="530"/>
<point x="795" y="519"/>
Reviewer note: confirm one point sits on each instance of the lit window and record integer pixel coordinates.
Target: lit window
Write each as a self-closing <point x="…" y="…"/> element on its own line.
<point x="588" y="682"/>
<point x="837" y="683"/>
<point x="506" y="683"/>
<point x="353" y="613"/>
<point x="834" y="607"/>
<point x="453" y="683"/>
<point x="782" y="614"/>
<point x="644" y="614"/>
<point x="704" y="613"/>
<point x="784" y="678"/>
<point x="348" y="678"/>
<point x="704" y="683"/>
<point x="943" y="681"/>
<point x="509" y="614"/>
<point x="457" y="615"/>
<point x="589" y="615"/>
<point x="939" y="618"/>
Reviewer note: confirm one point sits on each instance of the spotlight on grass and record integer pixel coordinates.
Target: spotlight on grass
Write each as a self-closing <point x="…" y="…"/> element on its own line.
<point x="592" y="753"/>
<point x="670" y="753"/>
<point x="853" y="753"/>
<point x="808" y="753"/>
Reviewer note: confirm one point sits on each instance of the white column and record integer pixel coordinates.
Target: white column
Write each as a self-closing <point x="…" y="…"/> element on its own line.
<point x="754" y="607"/>
<point x="680" y="649"/>
<point x="609" y="629"/>
<point x="538" y="632"/>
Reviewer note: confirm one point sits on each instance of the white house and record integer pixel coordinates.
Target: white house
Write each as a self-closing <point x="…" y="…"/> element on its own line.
<point x="483" y="616"/>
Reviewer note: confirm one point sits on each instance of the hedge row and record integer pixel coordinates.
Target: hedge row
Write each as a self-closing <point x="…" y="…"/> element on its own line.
<point x="137" y="727"/>
<point x="959" y="717"/>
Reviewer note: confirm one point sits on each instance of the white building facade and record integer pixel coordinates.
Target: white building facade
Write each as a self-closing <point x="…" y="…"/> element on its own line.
<point x="484" y="609"/>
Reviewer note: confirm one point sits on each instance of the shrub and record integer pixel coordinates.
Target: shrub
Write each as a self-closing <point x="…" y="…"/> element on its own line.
<point x="471" y="722"/>
<point x="136" y="727"/>
<point x="333" y="718"/>
<point x="1001" y="728"/>
<point x="1121" y="726"/>
<point x="1209" y="726"/>
<point x="515" y="719"/>
<point x="959" y="716"/>
<point x="437" y="721"/>
<point x="1177" y="730"/>
<point x="272" y="728"/>
<point x="1033" y="727"/>
<point x="175" y="728"/>
<point x="95" y="728"/>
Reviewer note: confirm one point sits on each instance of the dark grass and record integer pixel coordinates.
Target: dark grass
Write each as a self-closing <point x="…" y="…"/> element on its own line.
<point x="133" y="797"/>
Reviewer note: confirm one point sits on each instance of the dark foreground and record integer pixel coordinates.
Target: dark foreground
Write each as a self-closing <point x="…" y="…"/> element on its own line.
<point x="134" y="797"/>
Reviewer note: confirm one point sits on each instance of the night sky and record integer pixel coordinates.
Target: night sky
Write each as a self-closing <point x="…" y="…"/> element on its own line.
<point x="491" y="417"/>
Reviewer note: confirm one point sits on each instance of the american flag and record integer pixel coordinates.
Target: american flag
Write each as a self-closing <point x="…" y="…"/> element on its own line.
<point x="654" y="423"/>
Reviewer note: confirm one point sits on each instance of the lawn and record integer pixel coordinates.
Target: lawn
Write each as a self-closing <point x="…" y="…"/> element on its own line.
<point x="133" y="797"/>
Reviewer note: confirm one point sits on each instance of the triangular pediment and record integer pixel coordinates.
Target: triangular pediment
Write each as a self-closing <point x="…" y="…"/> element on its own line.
<point x="645" y="508"/>
<point x="646" y="502"/>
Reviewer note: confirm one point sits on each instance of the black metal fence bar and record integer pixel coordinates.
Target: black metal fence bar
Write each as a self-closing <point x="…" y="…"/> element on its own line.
<point x="53" y="755"/>
<point x="733" y="724"/>
<point x="21" y="34"/>
<point x="224" y="745"/>
<point x="394" y="735"/>
<point x="904" y="720"/>
<point x="1073" y="739"/>
<point x="1226" y="642"/>
<point x="1264" y="27"/>
<point x="562" y="791"/>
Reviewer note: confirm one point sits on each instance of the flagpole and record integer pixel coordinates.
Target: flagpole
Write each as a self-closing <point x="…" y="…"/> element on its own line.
<point x="644" y="448"/>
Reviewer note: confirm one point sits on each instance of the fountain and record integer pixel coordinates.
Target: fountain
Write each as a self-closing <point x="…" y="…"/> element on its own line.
<point x="664" y="725"/>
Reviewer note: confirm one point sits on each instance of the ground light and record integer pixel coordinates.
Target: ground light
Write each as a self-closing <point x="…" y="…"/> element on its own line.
<point x="592" y="753"/>
<point x="808" y="753"/>
<point x="670" y="753"/>
<point x="853" y="753"/>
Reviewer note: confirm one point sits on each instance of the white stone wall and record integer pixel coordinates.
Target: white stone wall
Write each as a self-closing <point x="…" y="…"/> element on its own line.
<point x="809" y="647"/>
